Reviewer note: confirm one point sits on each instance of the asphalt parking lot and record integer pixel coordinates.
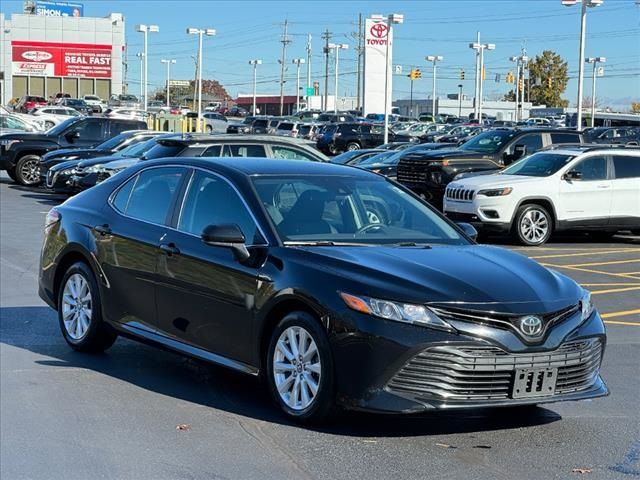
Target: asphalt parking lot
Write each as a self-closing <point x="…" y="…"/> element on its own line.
<point x="65" y="415"/>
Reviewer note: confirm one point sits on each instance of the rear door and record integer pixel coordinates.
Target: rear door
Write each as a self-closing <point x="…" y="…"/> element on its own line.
<point x="587" y="201"/>
<point x="128" y="246"/>
<point x="625" y="203"/>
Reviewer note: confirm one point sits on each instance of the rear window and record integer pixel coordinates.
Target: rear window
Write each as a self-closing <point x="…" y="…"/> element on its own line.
<point x="260" y="123"/>
<point x="565" y="137"/>
<point x="166" y="150"/>
<point x="285" y="126"/>
<point x="626" y="166"/>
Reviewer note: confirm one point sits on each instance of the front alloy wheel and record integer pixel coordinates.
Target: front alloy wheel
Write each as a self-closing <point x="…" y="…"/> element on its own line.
<point x="533" y="225"/>
<point x="28" y="170"/>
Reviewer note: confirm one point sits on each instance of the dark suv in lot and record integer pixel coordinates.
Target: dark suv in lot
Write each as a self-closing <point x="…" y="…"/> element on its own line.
<point x="341" y="137"/>
<point x="20" y="153"/>
<point x="428" y="173"/>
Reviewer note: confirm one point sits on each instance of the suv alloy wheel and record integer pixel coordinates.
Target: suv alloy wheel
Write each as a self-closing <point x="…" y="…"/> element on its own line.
<point x="533" y="225"/>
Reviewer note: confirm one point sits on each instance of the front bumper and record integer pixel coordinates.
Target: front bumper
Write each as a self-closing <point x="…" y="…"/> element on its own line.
<point x="58" y="182"/>
<point x="397" y="368"/>
<point x="484" y="213"/>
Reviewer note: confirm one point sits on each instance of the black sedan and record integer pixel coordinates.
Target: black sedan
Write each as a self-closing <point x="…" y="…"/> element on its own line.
<point x="336" y="285"/>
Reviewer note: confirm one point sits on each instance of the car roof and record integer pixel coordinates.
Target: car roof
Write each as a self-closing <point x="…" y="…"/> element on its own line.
<point x="193" y="139"/>
<point x="256" y="166"/>
<point x="573" y="149"/>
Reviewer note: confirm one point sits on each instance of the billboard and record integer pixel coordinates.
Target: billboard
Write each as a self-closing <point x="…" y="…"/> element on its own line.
<point x="377" y="35"/>
<point x="50" y="59"/>
<point x="59" y="9"/>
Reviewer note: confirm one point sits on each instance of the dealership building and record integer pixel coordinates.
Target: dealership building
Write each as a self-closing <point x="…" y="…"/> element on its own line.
<point x="49" y="51"/>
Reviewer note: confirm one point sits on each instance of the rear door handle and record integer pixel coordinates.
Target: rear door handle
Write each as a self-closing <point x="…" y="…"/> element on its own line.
<point x="603" y="186"/>
<point x="103" y="229"/>
<point x="170" y="249"/>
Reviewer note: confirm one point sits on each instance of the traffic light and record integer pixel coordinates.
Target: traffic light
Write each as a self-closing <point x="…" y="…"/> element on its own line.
<point x="521" y="84"/>
<point x="509" y="78"/>
<point x="461" y="74"/>
<point x="415" y="73"/>
<point x="549" y="82"/>
<point x="484" y="73"/>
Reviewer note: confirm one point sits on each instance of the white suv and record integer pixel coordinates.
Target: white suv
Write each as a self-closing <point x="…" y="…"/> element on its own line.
<point x="569" y="187"/>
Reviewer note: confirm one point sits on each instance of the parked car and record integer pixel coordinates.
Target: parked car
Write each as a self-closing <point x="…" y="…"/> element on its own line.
<point x="20" y="153"/>
<point x="353" y="156"/>
<point x="123" y="100"/>
<point x="260" y="125"/>
<point x="157" y="106"/>
<point x="503" y="123"/>
<point x="309" y="131"/>
<point x="179" y="110"/>
<point x="58" y="97"/>
<point x="75" y="175"/>
<point x="236" y="112"/>
<point x="462" y="135"/>
<point x="10" y="123"/>
<point x="29" y="102"/>
<point x="95" y="102"/>
<point x="538" y="122"/>
<point x="77" y="104"/>
<point x="429" y="118"/>
<point x="341" y="137"/>
<point x="335" y="118"/>
<point x="582" y="188"/>
<point x="455" y="130"/>
<point x="127" y="113"/>
<point x="308" y="115"/>
<point x="257" y="146"/>
<point x="288" y="129"/>
<point x="50" y="116"/>
<point x="241" y="127"/>
<point x="614" y="135"/>
<point x="387" y="165"/>
<point x="429" y="173"/>
<point x="215" y="122"/>
<point x="396" y="145"/>
<point x="333" y="284"/>
<point x="106" y="148"/>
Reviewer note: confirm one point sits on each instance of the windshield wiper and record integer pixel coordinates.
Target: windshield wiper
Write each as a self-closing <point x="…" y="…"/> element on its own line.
<point x="412" y="244"/>
<point x="323" y="243"/>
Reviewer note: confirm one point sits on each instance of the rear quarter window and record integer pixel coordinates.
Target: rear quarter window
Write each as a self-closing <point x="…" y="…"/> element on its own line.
<point x="626" y="166"/>
<point x="563" y="137"/>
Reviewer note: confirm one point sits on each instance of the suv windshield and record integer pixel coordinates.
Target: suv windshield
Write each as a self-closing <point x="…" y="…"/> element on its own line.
<point x="541" y="164"/>
<point x="74" y="101"/>
<point x="354" y="210"/>
<point x="488" y="142"/>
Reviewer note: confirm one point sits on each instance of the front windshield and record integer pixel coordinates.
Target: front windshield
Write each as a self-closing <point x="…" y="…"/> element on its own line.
<point x="488" y="142"/>
<point x="61" y="127"/>
<point x="113" y="143"/>
<point x="384" y="158"/>
<point x="137" y="149"/>
<point x="128" y="98"/>
<point x="541" y="164"/>
<point x="350" y="209"/>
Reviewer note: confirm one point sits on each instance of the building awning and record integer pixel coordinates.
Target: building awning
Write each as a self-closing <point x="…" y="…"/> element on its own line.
<point x="265" y="99"/>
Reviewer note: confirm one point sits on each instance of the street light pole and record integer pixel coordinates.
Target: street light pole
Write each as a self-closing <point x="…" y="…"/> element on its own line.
<point x="168" y="62"/>
<point x="583" y="29"/>
<point x="595" y="62"/>
<point x="460" y="101"/>
<point x="394" y="18"/>
<point x="337" y="47"/>
<point x="297" y="62"/>
<point x="480" y="48"/>
<point x="255" y="64"/>
<point x="434" y="59"/>
<point x="140" y="55"/>
<point x="210" y="32"/>
<point x="145" y="29"/>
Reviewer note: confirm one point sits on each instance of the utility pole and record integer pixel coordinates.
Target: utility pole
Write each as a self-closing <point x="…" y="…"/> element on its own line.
<point x="308" y="68"/>
<point x="285" y="41"/>
<point x="360" y="55"/>
<point x="326" y="36"/>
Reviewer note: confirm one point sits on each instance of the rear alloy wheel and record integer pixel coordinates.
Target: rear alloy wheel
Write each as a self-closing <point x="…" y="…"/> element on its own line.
<point x="533" y="225"/>
<point x="49" y="124"/>
<point x="300" y="368"/>
<point x="28" y="170"/>
<point x="80" y="311"/>
<point x="351" y="146"/>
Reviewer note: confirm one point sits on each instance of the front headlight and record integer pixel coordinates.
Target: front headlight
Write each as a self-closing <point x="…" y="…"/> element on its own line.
<point x="496" y="192"/>
<point x="68" y="171"/>
<point x="586" y="306"/>
<point x="399" y="312"/>
<point x="95" y="169"/>
<point x="7" y="143"/>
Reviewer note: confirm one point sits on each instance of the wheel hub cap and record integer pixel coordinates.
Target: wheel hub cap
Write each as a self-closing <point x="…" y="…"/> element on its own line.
<point x="534" y="226"/>
<point x="76" y="306"/>
<point x="31" y="171"/>
<point x="297" y="368"/>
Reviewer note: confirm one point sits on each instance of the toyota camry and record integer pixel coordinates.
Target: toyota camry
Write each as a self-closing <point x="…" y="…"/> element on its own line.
<point x="336" y="285"/>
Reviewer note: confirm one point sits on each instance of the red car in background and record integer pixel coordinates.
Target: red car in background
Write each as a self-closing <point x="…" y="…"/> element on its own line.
<point x="29" y="102"/>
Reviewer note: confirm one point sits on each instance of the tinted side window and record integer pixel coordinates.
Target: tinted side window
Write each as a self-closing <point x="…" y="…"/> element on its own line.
<point x="213" y="151"/>
<point x="594" y="168"/>
<point x="151" y="198"/>
<point x="626" y="166"/>
<point x="289" y="153"/>
<point x="89" y="130"/>
<point x="121" y="200"/>
<point x="244" y="151"/>
<point x="117" y="127"/>
<point x="565" y="138"/>
<point x="210" y="200"/>
<point x="532" y="142"/>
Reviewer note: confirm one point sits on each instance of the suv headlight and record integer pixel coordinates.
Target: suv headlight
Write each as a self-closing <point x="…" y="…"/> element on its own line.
<point x="7" y="143"/>
<point x="399" y="312"/>
<point x="496" y="192"/>
<point x="586" y="306"/>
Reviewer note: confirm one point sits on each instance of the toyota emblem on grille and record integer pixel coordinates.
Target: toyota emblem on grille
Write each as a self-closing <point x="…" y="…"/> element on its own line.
<point x="531" y="326"/>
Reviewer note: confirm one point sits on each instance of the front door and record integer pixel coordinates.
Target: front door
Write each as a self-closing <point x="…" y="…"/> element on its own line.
<point x="587" y="201"/>
<point x="205" y="296"/>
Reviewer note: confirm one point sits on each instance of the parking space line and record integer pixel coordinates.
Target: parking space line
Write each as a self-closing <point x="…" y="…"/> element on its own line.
<point x="590" y="252"/>
<point x="614" y="322"/>
<point x="620" y="314"/>
<point x="597" y="264"/>
<point x="580" y="269"/>
<point x="615" y="290"/>
<point x="610" y="284"/>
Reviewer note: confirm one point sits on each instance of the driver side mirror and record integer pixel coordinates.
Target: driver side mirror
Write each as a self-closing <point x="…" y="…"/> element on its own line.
<point x="573" y="175"/>
<point x="72" y="135"/>
<point x="469" y="230"/>
<point x="519" y="151"/>
<point x="227" y="236"/>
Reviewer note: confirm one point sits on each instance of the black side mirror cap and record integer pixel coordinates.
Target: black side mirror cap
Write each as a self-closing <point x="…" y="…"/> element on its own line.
<point x="469" y="230"/>
<point x="572" y="175"/>
<point x="519" y="151"/>
<point x="227" y="236"/>
<point x="72" y="134"/>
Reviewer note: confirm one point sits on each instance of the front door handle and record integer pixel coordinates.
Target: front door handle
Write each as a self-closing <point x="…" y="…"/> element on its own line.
<point x="103" y="229"/>
<point x="170" y="249"/>
<point x="602" y="186"/>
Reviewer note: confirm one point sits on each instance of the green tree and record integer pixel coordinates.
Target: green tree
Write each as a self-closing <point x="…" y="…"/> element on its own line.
<point x="635" y="107"/>
<point x="549" y="77"/>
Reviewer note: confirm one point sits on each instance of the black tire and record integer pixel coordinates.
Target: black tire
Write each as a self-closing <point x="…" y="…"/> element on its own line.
<point x="323" y="404"/>
<point x="523" y="218"/>
<point x="98" y="336"/>
<point x="12" y="173"/>
<point x="27" y="170"/>
<point x="209" y="129"/>
<point x="49" y="124"/>
<point x="351" y="146"/>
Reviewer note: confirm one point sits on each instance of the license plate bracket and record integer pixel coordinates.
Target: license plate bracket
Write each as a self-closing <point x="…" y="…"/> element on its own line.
<point x="534" y="382"/>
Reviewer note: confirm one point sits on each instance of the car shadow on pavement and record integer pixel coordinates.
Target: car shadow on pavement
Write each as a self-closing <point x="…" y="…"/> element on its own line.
<point x="568" y="239"/>
<point x="35" y="329"/>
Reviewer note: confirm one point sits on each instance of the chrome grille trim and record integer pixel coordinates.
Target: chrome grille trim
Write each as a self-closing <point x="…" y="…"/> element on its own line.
<point x="459" y="194"/>
<point x="486" y="373"/>
<point x="51" y="178"/>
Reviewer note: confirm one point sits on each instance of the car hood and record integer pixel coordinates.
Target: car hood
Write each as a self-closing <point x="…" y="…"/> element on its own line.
<point x="122" y="163"/>
<point x="492" y="181"/>
<point x="90" y="162"/>
<point x="445" y="153"/>
<point x="76" y="152"/>
<point x="472" y="276"/>
<point x="64" y="165"/>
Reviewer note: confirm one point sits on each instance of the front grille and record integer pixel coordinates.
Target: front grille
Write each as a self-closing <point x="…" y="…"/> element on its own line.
<point x="51" y="178"/>
<point x="459" y="194"/>
<point x="487" y="373"/>
<point x="412" y="170"/>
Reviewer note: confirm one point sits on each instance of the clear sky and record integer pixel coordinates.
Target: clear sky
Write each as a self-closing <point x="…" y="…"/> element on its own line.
<point x="252" y="29"/>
